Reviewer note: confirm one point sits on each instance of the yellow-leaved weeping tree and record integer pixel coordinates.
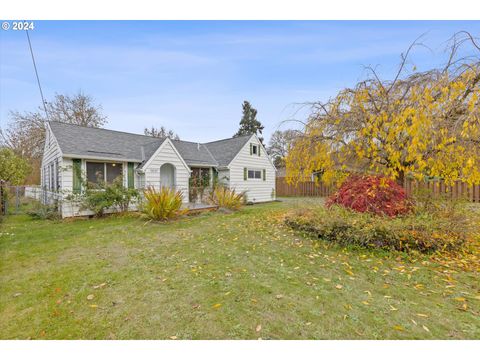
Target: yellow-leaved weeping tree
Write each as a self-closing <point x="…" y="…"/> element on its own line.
<point x="419" y="124"/>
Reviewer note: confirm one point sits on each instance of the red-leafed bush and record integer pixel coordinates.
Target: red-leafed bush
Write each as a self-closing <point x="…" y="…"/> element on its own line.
<point x="372" y="194"/>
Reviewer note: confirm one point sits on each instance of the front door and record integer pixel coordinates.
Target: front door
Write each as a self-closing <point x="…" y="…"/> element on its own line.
<point x="167" y="176"/>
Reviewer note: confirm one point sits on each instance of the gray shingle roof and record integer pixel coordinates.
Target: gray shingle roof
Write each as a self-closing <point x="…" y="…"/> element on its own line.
<point x="87" y="141"/>
<point x="194" y="153"/>
<point x="225" y="150"/>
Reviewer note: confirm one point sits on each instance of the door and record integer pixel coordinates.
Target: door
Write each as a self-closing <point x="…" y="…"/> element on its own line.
<point x="167" y="176"/>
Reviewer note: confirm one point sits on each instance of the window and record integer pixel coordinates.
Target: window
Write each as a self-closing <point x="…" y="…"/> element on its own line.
<point x="254" y="149"/>
<point x="98" y="172"/>
<point x="254" y="174"/>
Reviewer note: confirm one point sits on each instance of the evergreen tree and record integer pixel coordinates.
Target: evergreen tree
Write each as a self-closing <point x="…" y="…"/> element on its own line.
<point x="249" y="123"/>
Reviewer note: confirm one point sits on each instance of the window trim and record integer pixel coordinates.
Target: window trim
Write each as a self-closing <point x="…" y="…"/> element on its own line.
<point x="254" y="171"/>
<point x="104" y="169"/>
<point x="254" y="149"/>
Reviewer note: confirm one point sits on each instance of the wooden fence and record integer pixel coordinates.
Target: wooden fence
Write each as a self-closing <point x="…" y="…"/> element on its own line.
<point x="311" y="188"/>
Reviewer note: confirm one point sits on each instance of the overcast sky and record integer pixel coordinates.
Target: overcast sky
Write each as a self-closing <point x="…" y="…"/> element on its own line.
<point x="192" y="76"/>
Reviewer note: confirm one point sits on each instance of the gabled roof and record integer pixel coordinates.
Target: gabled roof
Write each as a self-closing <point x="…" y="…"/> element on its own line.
<point x="194" y="153"/>
<point x="95" y="142"/>
<point x="225" y="150"/>
<point x="75" y="140"/>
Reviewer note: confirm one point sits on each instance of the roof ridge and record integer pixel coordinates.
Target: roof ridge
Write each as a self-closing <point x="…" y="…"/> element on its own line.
<point x="98" y="128"/>
<point x="230" y="138"/>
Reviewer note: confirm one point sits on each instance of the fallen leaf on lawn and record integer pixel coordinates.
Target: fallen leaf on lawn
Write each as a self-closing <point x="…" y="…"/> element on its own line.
<point x="460" y="299"/>
<point x="399" y="328"/>
<point x="365" y="303"/>
<point x="414" y="321"/>
<point x="327" y="279"/>
<point x="258" y="328"/>
<point x="216" y="306"/>
<point x="100" y="286"/>
<point x="425" y="328"/>
<point x="368" y="292"/>
<point x="90" y="297"/>
<point x="393" y="308"/>
<point x="464" y="307"/>
<point x="17" y="294"/>
<point x="338" y="286"/>
<point x="227" y="293"/>
<point x="195" y="306"/>
<point x="279" y="296"/>
<point x="173" y="337"/>
<point x="422" y="315"/>
<point x="93" y="306"/>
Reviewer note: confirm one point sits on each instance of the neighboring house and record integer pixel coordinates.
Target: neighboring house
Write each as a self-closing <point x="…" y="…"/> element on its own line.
<point x="75" y="153"/>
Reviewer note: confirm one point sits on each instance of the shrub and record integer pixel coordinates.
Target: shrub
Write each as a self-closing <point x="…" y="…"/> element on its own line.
<point x="162" y="205"/>
<point x="100" y="197"/>
<point x="422" y="232"/>
<point x="44" y="212"/>
<point x="225" y="198"/>
<point x="122" y="196"/>
<point x="372" y="194"/>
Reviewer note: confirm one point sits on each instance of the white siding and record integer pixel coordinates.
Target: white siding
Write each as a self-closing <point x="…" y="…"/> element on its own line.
<point x="70" y="208"/>
<point x="224" y="177"/>
<point x="167" y="154"/>
<point x="257" y="190"/>
<point x="51" y="155"/>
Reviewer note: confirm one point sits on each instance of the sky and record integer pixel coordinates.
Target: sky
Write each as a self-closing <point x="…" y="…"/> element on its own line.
<point x="192" y="76"/>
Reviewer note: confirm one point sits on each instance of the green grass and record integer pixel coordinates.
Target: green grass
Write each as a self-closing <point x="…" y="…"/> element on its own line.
<point x="219" y="276"/>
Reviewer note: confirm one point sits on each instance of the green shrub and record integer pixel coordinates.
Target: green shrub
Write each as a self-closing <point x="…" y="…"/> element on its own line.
<point x="424" y="232"/>
<point x="100" y="197"/>
<point x="162" y="205"/>
<point x="225" y="198"/>
<point x="44" y="212"/>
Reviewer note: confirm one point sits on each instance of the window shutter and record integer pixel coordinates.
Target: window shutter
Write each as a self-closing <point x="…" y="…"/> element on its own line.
<point x="245" y="174"/>
<point x="264" y="174"/>
<point x="77" y="176"/>
<point x="130" y="176"/>
<point x="251" y="148"/>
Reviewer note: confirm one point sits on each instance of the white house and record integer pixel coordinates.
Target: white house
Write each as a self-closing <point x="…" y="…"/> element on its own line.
<point x="72" y="152"/>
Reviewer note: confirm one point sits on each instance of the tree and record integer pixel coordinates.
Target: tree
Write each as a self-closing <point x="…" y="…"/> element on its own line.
<point x="13" y="168"/>
<point x="161" y="132"/>
<point x="279" y="145"/>
<point x="249" y="123"/>
<point x="420" y="124"/>
<point x="25" y="134"/>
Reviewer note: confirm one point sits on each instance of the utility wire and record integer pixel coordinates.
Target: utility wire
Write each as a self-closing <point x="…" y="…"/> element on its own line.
<point x="36" y="74"/>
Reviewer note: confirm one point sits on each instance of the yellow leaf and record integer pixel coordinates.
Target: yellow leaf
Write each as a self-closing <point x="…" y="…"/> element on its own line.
<point x="422" y="315"/>
<point x="90" y="297"/>
<point x="460" y="299"/>
<point x="173" y="337"/>
<point x="216" y="306"/>
<point x="426" y="328"/>
<point x="399" y="328"/>
<point x="258" y="328"/>
<point x="93" y="306"/>
<point x="338" y="286"/>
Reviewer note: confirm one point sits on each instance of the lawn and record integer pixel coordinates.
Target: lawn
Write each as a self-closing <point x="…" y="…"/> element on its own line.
<point x="220" y="276"/>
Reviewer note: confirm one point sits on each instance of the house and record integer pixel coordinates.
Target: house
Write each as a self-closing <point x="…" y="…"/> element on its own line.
<point x="75" y="153"/>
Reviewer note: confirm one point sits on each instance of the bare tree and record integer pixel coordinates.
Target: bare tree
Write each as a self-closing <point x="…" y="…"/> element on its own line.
<point x="161" y="132"/>
<point x="279" y="145"/>
<point x="25" y="134"/>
